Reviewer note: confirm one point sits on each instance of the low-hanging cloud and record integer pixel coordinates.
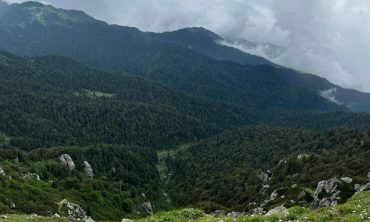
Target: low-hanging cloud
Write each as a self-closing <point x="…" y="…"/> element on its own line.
<point x="329" y="38"/>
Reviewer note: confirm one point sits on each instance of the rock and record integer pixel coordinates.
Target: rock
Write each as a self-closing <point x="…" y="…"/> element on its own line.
<point x="89" y="219"/>
<point x="147" y="208"/>
<point x="283" y="161"/>
<point x="329" y="186"/>
<point x="4" y="217"/>
<point x="264" y="177"/>
<point x="301" y="195"/>
<point x="66" y="161"/>
<point x="2" y="172"/>
<point x="88" y="169"/>
<point x="279" y="212"/>
<point x="327" y="189"/>
<point x="368" y="175"/>
<point x="361" y="188"/>
<point x="347" y="180"/>
<point x="12" y="205"/>
<point x="72" y="210"/>
<point x="294" y="185"/>
<point x="258" y="210"/>
<point x="264" y="189"/>
<point x="233" y="214"/>
<point x="30" y="176"/>
<point x="57" y="215"/>
<point x="126" y="220"/>
<point x="274" y="195"/>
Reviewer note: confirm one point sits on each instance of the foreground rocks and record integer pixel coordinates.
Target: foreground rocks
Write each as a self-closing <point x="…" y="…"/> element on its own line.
<point x="327" y="189"/>
<point x="72" y="210"/>
<point x="2" y="172"/>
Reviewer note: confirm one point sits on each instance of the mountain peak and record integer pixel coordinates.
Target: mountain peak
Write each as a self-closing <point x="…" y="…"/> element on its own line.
<point x="31" y="12"/>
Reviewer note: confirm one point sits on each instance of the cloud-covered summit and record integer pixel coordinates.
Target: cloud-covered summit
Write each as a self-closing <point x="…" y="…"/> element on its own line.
<point x="325" y="37"/>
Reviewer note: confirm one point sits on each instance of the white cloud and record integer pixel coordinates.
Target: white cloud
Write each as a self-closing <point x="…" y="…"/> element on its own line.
<point x="325" y="37"/>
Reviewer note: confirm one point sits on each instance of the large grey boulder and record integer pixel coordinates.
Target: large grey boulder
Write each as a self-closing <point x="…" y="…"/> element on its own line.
<point x="328" y="192"/>
<point x="279" y="212"/>
<point x="72" y="210"/>
<point x="88" y="169"/>
<point x="66" y="161"/>
<point x="147" y="208"/>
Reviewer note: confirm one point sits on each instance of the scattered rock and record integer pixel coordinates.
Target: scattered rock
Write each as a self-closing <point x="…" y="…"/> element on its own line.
<point x="12" y="205"/>
<point x="283" y="161"/>
<point x="30" y="176"/>
<point x="2" y="172"/>
<point x="147" y="208"/>
<point x="233" y="214"/>
<point x="89" y="219"/>
<point x="258" y="210"/>
<point x="66" y="161"/>
<point x="274" y="195"/>
<point x="361" y="188"/>
<point x="279" y="212"/>
<point x="72" y="210"/>
<point x="57" y="215"/>
<point x="347" y="180"/>
<point x="88" y="169"/>
<point x="301" y="195"/>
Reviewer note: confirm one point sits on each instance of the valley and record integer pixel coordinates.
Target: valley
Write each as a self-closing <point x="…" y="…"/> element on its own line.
<point x="101" y="122"/>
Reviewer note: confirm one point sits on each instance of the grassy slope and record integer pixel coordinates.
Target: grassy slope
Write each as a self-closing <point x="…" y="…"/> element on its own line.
<point x="355" y="209"/>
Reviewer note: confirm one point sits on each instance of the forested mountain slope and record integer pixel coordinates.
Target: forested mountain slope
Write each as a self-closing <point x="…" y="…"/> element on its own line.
<point x="241" y="169"/>
<point x="176" y="59"/>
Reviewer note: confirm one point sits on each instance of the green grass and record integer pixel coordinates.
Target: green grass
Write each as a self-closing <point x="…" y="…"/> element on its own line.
<point x="29" y="218"/>
<point x="356" y="209"/>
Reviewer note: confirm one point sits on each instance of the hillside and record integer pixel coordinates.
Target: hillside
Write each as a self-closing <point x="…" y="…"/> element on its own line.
<point x="182" y="60"/>
<point x="264" y="167"/>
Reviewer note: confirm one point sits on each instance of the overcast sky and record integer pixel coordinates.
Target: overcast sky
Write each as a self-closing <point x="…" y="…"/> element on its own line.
<point x="330" y="38"/>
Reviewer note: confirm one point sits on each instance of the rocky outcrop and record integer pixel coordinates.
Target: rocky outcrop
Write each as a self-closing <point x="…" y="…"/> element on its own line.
<point x="147" y="208"/>
<point x="347" y="180"/>
<point x="88" y="169"/>
<point x="72" y="210"/>
<point x="279" y="212"/>
<point x="67" y="162"/>
<point x="30" y="176"/>
<point x="326" y="193"/>
<point x="263" y="177"/>
<point x="2" y="172"/>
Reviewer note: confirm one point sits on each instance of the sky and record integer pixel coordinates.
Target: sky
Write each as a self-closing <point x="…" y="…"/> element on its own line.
<point x="330" y="38"/>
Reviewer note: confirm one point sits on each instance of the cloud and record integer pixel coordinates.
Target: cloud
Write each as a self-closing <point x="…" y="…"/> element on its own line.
<point x="329" y="38"/>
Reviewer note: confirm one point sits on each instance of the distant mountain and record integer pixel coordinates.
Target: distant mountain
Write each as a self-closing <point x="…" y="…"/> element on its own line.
<point x="185" y="60"/>
<point x="208" y="43"/>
